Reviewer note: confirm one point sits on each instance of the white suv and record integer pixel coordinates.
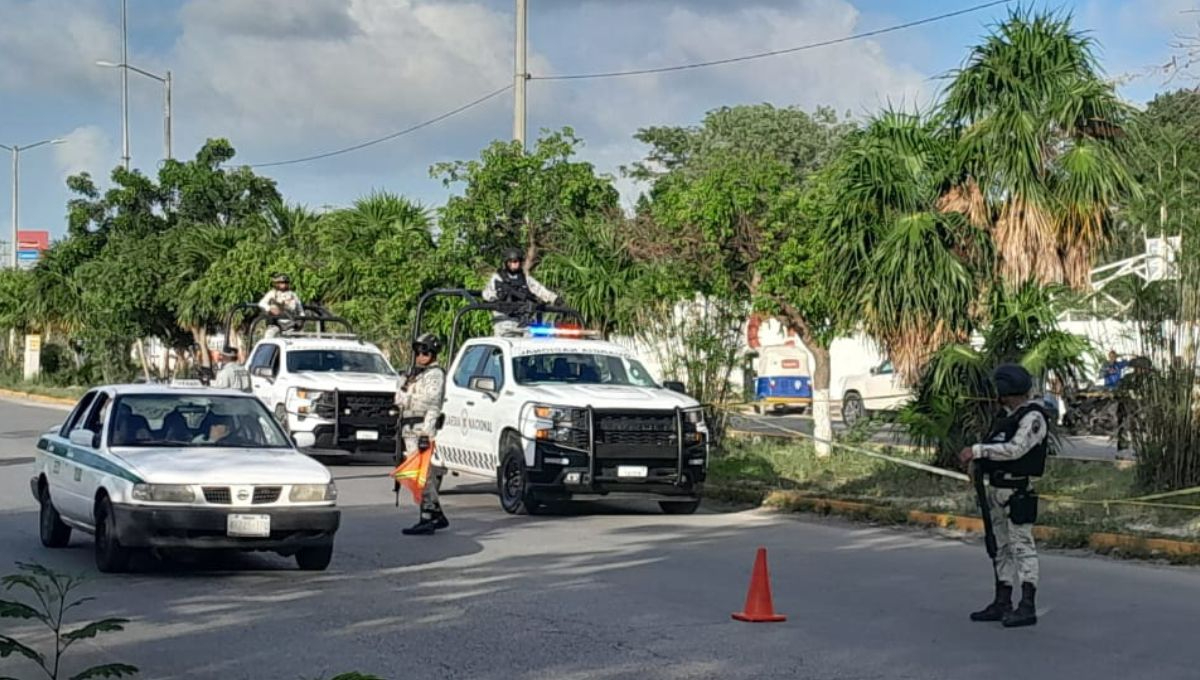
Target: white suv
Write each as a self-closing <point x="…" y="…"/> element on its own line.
<point x="341" y="390"/>
<point x="879" y="390"/>
<point x="552" y="417"/>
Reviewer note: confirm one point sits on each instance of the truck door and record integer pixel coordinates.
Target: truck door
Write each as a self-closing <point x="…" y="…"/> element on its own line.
<point x="454" y="442"/>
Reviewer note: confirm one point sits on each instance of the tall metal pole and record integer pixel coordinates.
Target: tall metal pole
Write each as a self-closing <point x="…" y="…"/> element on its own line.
<point x="124" y="87"/>
<point x="167" y="121"/>
<point x="521" y="76"/>
<point x="16" y="176"/>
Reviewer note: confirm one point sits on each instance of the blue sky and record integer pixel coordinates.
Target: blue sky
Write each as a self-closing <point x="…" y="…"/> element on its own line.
<point x="283" y="79"/>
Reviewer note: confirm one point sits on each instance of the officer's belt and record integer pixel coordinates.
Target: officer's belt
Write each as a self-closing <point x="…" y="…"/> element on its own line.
<point x="1002" y="480"/>
<point x="412" y="420"/>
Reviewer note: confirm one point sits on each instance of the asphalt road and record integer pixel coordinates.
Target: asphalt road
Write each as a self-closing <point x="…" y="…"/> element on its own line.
<point x="610" y="591"/>
<point x="882" y="432"/>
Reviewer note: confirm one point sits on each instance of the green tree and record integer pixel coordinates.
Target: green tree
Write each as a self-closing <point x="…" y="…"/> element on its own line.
<point x="511" y="198"/>
<point x="1039" y="147"/>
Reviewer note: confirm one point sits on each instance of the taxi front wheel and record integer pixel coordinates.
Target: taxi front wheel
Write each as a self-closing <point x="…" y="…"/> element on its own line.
<point x="111" y="556"/>
<point x="316" y="558"/>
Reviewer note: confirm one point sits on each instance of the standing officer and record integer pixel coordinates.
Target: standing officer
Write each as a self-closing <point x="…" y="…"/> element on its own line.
<point x="510" y="284"/>
<point x="1014" y="453"/>
<point x="420" y="401"/>
<point x="232" y="375"/>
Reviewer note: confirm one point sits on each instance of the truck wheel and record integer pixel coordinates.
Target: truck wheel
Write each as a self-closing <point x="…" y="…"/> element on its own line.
<point x="513" y="483"/>
<point x="853" y="409"/>
<point x="679" y="507"/>
<point x="281" y="416"/>
<point x="111" y="556"/>
<point x="54" y="533"/>
<point x="316" y="558"/>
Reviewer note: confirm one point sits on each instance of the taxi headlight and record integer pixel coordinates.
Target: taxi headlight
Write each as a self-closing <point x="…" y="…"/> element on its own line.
<point x="313" y="493"/>
<point x="163" y="493"/>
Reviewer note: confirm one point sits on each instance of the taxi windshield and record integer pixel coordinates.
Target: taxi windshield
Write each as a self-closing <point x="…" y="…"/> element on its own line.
<point x="580" y="369"/>
<point x="189" y="420"/>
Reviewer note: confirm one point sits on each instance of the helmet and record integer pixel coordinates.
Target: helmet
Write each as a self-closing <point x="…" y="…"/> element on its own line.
<point x="427" y="341"/>
<point x="511" y="254"/>
<point x="1012" y="380"/>
<point x="281" y="278"/>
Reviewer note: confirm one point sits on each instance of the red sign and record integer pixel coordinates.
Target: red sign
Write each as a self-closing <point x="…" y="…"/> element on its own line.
<point x="33" y="240"/>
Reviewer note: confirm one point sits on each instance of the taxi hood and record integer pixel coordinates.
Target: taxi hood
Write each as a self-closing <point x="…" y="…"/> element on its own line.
<point x="202" y="465"/>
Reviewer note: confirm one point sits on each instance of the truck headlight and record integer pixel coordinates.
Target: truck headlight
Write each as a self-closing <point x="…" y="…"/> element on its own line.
<point x="163" y="493"/>
<point x="313" y="493"/>
<point x="303" y="400"/>
<point x="694" y="417"/>
<point x="553" y="413"/>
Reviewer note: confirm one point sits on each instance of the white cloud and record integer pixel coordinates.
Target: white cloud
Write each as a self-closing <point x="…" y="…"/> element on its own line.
<point x="52" y="46"/>
<point x="85" y="149"/>
<point x="341" y="70"/>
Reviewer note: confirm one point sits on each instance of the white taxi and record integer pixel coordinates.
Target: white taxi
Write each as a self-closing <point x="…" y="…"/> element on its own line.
<point x="145" y="466"/>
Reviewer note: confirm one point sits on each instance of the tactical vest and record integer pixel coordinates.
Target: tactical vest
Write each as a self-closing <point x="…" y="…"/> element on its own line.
<point x="1033" y="463"/>
<point x="513" y="287"/>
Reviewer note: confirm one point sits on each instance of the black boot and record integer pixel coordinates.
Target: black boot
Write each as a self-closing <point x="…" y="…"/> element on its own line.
<point x="1000" y="607"/>
<point x="431" y="521"/>
<point x="1026" y="611"/>
<point x="439" y="519"/>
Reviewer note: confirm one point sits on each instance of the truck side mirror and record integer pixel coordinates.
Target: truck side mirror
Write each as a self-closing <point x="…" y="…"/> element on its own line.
<point x="261" y="372"/>
<point x="482" y="383"/>
<point x="675" y="386"/>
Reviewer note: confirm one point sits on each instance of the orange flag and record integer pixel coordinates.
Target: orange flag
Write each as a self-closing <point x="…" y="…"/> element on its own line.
<point x="414" y="472"/>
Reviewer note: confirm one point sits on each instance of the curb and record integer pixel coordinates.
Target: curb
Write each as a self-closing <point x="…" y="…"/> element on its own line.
<point x="1101" y="542"/>
<point x="39" y="398"/>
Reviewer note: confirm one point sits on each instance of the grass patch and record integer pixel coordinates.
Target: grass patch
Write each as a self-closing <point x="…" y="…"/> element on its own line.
<point x="754" y="466"/>
<point x="43" y="390"/>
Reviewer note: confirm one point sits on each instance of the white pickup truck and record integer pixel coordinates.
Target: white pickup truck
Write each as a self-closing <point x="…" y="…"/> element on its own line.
<point x="327" y="383"/>
<point x="553" y="416"/>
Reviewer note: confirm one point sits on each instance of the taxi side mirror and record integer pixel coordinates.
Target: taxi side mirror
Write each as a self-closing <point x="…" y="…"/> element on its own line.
<point x="82" y="437"/>
<point x="304" y="440"/>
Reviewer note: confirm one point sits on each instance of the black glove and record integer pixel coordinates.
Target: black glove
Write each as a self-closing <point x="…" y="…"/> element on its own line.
<point x="423" y="442"/>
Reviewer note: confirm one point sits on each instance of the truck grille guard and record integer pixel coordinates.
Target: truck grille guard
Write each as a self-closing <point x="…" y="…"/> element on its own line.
<point x="590" y="428"/>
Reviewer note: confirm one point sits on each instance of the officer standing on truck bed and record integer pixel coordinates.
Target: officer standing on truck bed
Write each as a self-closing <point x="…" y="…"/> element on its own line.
<point x="1014" y="454"/>
<point x="420" y="400"/>
<point x="511" y="285"/>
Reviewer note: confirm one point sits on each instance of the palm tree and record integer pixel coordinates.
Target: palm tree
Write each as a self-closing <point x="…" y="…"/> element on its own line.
<point x="954" y="402"/>
<point x="910" y="265"/>
<point x="1038" y="150"/>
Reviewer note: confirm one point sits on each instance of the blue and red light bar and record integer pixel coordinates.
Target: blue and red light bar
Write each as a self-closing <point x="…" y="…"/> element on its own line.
<point x="560" y="331"/>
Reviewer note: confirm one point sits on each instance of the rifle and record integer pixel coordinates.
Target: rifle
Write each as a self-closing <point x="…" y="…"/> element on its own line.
<point x="989" y="533"/>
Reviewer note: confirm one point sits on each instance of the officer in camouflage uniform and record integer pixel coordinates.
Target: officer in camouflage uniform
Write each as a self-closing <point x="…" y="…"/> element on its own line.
<point x="510" y="284"/>
<point x="1014" y="453"/>
<point x="420" y="401"/>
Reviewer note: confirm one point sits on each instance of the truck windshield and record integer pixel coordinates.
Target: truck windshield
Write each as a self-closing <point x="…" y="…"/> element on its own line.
<point x="581" y="369"/>
<point x="342" y="361"/>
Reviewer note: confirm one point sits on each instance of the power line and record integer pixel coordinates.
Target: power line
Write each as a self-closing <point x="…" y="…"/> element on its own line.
<point x="394" y="135"/>
<point x="774" y="53"/>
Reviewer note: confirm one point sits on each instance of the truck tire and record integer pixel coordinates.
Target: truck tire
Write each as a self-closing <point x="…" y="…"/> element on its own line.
<point x="54" y="533"/>
<point x="512" y="482"/>
<point x="679" y="507"/>
<point x="281" y="416"/>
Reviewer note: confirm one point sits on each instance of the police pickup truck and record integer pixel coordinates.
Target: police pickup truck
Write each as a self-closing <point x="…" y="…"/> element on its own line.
<point x="328" y="383"/>
<point x="556" y="413"/>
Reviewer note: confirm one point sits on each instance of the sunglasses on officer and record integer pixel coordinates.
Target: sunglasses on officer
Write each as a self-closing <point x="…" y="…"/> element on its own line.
<point x="424" y="351"/>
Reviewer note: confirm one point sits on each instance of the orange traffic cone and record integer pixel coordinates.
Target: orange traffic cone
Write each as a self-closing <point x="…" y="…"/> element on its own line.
<point x="758" y="600"/>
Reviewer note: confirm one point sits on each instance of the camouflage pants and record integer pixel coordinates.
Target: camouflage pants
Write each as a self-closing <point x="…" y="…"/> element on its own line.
<point x="429" y="493"/>
<point x="509" y="327"/>
<point x="1016" y="554"/>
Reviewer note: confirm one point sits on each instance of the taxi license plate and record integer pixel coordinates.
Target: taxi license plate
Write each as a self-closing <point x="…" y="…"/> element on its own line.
<point x="631" y="471"/>
<point x="248" y="526"/>
<point x="366" y="435"/>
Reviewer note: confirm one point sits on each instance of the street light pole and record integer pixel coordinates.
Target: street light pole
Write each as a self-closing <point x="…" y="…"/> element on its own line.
<point x="521" y="76"/>
<point x="124" y="86"/>
<point x="16" y="150"/>
<point x="166" y="81"/>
